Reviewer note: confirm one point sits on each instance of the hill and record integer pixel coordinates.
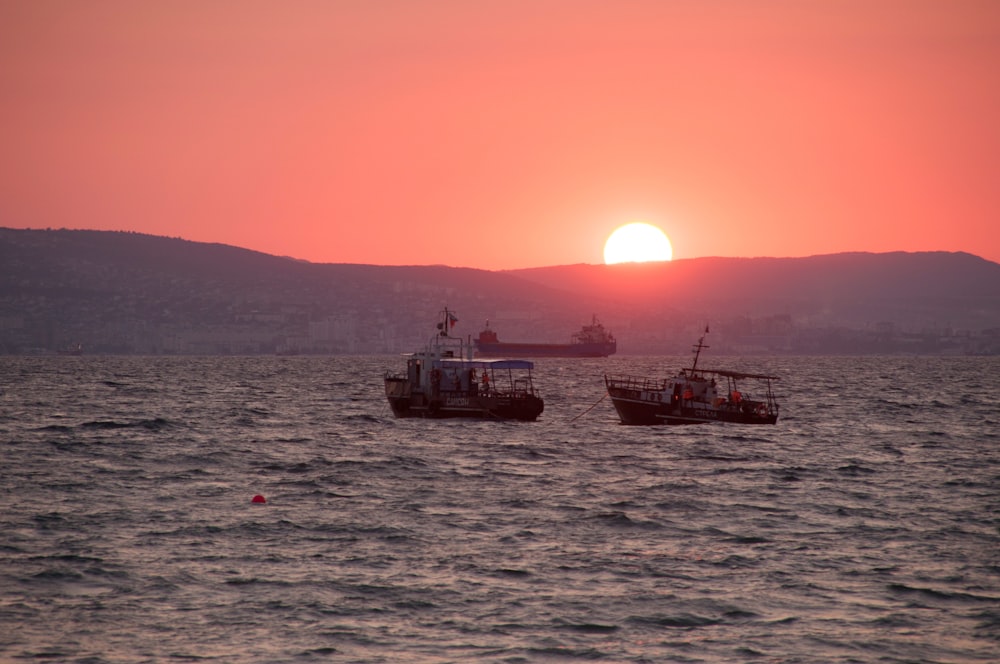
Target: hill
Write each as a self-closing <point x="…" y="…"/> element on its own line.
<point x="117" y="292"/>
<point x="910" y="289"/>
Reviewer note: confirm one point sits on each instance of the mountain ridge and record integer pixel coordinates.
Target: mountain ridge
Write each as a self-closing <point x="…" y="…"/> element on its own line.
<point x="126" y="292"/>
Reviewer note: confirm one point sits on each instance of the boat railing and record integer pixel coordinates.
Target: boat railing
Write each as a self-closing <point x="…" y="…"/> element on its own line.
<point x="518" y="388"/>
<point x="522" y="387"/>
<point x="635" y="383"/>
<point x="749" y="403"/>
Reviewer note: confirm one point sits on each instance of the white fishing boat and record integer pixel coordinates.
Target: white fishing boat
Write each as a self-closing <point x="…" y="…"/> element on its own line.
<point x="444" y="380"/>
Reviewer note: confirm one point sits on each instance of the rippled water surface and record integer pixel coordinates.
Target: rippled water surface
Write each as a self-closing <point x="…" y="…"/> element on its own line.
<point x="863" y="527"/>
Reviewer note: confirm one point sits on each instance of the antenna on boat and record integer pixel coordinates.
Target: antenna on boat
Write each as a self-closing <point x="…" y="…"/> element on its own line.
<point x="697" y="350"/>
<point x="448" y="321"/>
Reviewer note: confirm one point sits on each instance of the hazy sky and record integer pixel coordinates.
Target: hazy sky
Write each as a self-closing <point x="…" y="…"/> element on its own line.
<point x="506" y="134"/>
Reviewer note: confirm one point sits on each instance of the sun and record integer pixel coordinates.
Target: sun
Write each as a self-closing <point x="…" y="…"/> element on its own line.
<point x="637" y="243"/>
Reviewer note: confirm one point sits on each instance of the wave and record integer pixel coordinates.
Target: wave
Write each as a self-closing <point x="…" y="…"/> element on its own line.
<point x="685" y="620"/>
<point x="947" y="596"/>
<point x="154" y="424"/>
<point x="621" y="520"/>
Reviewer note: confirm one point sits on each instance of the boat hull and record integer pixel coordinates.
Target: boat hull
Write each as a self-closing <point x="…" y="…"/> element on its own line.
<point x="407" y="403"/>
<point x="503" y="349"/>
<point x="655" y="407"/>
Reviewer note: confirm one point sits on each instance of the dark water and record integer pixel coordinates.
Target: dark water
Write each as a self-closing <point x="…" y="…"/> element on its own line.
<point x="864" y="527"/>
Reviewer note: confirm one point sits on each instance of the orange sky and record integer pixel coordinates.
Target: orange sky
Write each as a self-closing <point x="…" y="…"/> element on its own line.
<point x="509" y="133"/>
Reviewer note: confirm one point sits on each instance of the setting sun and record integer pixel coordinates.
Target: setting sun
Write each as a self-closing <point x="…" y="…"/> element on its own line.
<point x="637" y="243"/>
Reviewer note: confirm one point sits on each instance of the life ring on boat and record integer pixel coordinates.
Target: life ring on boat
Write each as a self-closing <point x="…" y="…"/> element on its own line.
<point x="762" y="410"/>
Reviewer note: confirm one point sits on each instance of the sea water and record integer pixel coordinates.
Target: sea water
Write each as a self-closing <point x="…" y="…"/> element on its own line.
<point x="863" y="527"/>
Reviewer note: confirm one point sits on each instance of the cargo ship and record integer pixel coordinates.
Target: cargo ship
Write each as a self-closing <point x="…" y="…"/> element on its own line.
<point x="591" y="341"/>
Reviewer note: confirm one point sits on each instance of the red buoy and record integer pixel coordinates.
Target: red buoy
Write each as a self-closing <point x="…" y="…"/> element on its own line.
<point x="258" y="499"/>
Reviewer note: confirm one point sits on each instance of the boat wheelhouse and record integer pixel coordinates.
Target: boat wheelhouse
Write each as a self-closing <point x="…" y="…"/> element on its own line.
<point x="694" y="396"/>
<point x="444" y="380"/>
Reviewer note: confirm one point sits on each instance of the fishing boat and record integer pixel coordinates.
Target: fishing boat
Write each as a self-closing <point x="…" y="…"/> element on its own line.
<point x="444" y="380"/>
<point x="590" y="341"/>
<point x="694" y="396"/>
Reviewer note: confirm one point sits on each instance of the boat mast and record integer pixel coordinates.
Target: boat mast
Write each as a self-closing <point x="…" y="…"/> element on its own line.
<point x="443" y="336"/>
<point x="697" y="350"/>
<point x="448" y="320"/>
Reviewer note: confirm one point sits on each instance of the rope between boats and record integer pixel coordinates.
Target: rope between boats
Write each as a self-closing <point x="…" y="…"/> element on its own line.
<point x="591" y="408"/>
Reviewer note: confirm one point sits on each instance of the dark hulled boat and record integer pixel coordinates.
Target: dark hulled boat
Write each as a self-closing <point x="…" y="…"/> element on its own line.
<point x="693" y="396"/>
<point x="444" y="381"/>
<point x="590" y="341"/>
